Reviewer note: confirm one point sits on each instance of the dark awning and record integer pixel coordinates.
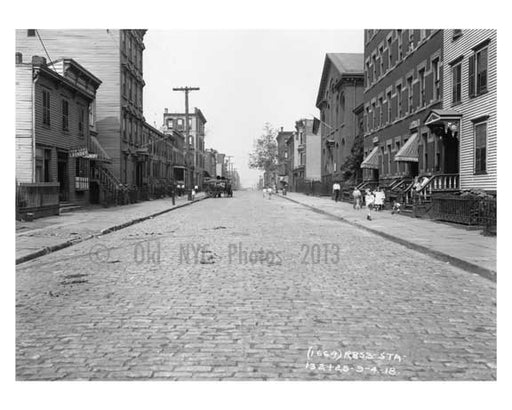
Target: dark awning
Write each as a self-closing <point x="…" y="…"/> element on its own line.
<point x="409" y="152"/>
<point x="372" y="160"/>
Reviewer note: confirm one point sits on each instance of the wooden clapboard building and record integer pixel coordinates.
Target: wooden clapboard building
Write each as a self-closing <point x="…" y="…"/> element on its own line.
<point x="468" y="117"/>
<point x="54" y="126"/>
<point x="115" y="56"/>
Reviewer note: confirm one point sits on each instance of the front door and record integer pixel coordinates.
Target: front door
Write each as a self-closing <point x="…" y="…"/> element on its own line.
<point x="62" y="175"/>
<point x="451" y="155"/>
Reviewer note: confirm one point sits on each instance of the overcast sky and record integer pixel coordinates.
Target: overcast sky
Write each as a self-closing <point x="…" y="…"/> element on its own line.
<point x="246" y="78"/>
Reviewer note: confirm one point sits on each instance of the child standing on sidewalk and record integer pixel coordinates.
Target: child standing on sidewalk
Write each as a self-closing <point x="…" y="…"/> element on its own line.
<point x="370" y="201"/>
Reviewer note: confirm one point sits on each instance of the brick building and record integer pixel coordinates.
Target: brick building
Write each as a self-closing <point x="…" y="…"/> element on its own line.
<point x="282" y="157"/>
<point x="403" y="84"/>
<point x="195" y="150"/>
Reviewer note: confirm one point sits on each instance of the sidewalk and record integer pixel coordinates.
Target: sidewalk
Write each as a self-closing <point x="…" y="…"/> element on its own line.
<point x="467" y="249"/>
<point x="46" y="235"/>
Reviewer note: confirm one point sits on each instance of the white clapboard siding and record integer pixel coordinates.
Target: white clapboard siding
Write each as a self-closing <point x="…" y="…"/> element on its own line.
<point x="98" y="51"/>
<point x="472" y="108"/>
<point x="24" y="154"/>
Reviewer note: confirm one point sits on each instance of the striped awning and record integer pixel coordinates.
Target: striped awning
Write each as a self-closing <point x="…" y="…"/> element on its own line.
<point x="96" y="148"/>
<point x="409" y="152"/>
<point x="372" y="160"/>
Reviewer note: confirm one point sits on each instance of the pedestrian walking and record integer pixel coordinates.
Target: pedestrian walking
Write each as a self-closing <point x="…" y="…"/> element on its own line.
<point x="356" y="194"/>
<point x="370" y="202"/>
<point x="336" y="190"/>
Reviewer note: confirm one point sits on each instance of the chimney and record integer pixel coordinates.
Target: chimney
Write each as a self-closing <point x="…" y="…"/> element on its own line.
<point x="36" y="60"/>
<point x="19" y="58"/>
<point x="166" y="111"/>
<point x="281" y="129"/>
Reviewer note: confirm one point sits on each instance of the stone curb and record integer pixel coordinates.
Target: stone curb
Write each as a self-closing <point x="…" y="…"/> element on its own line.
<point x="63" y="245"/>
<point x="460" y="263"/>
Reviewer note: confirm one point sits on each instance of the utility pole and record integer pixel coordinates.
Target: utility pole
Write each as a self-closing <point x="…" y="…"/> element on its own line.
<point x="187" y="90"/>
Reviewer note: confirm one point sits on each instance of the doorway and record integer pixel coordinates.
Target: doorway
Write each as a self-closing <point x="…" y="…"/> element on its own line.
<point x="62" y="176"/>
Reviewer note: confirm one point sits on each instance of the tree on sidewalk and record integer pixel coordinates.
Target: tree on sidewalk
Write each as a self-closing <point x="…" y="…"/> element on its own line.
<point x="351" y="168"/>
<point x="264" y="156"/>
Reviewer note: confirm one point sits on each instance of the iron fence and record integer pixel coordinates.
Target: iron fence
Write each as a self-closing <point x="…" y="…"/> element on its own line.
<point x="467" y="210"/>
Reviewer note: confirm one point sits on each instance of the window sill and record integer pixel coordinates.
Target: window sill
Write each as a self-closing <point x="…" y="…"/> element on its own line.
<point x="479" y="95"/>
<point x="480" y="173"/>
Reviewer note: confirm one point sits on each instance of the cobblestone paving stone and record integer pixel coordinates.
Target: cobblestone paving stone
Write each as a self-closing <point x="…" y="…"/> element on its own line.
<point x="130" y="306"/>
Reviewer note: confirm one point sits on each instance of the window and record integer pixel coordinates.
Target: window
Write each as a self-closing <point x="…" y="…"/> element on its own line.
<point x="43" y="160"/>
<point x="437" y="79"/>
<point x="381" y="54"/>
<point x="92" y="110"/>
<point x="478" y="73"/>
<point x="374" y="117"/>
<point x="425" y="151"/>
<point x="389" y="158"/>
<point x="170" y="123"/>
<point x="374" y="67"/>
<point x="381" y="112"/>
<point x="480" y="148"/>
<point x="456" y="83"/>
<point x="65" y="115"/>
<point x="400" y="48"/>
<point x="423" y="34"/>
<point x="421" y="74"/>
<point x="389" y="119"/>
<point x="390" y="54"/>
<point x="179" y="124"/>
<point x="31" y="33"/>
<point x="46" y="107"/>
<point x="411" y="94"/>
<point x="456" y="34"/>
<point x="399" y="100"/>
<point x="81" y="120"/>
<point x="367" y="73"/>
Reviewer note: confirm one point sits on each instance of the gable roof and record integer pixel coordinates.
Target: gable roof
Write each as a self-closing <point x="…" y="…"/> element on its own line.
<point x="344" y="63"/>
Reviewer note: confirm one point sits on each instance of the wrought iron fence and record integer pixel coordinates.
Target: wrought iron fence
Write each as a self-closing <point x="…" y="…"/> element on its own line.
<point x="467" y="210"/>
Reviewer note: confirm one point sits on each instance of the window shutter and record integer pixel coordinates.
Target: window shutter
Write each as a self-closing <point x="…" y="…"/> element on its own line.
<point x="385" y="56"/>
<point x="429" y="87"/>
<point x="405" y="101"/>
<point x="377" y="116"/>
<point x="471" y="75"/>
<point x="416" y="95"/>
<point x="385" y="118"/>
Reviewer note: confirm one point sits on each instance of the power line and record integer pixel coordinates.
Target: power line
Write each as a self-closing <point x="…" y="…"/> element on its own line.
<point x="45" y="50"/>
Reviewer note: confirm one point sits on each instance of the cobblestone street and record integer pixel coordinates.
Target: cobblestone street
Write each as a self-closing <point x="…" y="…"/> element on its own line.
<point x="248" y="288"/>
